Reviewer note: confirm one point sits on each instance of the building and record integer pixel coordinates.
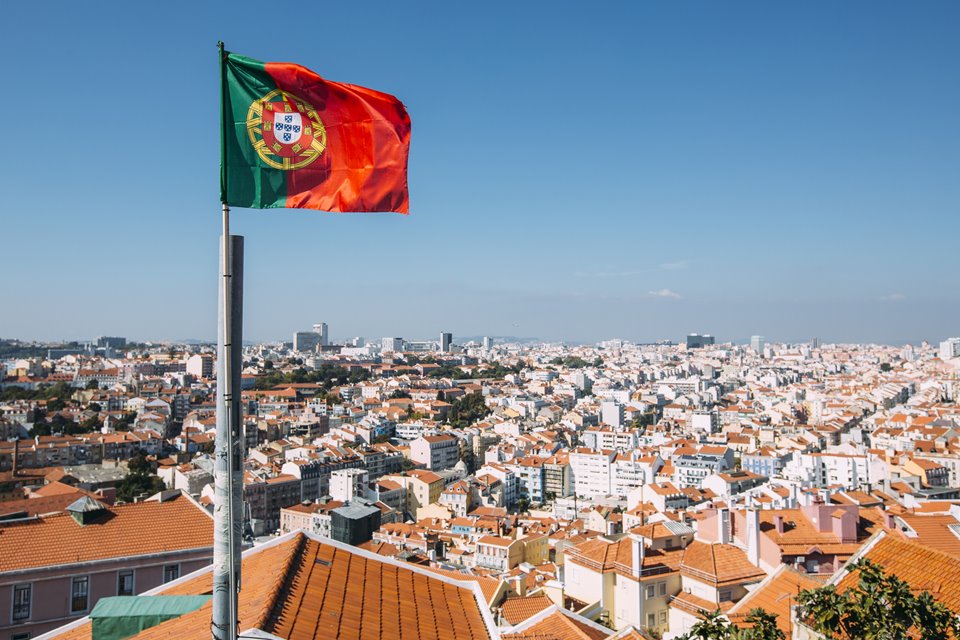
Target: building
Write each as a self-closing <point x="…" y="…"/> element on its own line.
<point x="111" y="342"/>
<point x="499" y="554"/>
<point x="446" y="341"/>
<point x="322" y="330"/>
<point x="422" y="488"/>
<point x="391" y="345"/>
<point x="697" y="341"/>
<point x="949" y="348"/>
<point x="305" y="341"/>
<point x="54" y="568"/>
<point x="301" y="586"/>
<point x="435" y="452"/>
<point x="347" y="484"/>
<point x="591" y="471"/>
<point x="632" y="578"/>
<point x="757" y="343"/>
<point x="200" y="365"/>
<point x="355" y="522"/>
<point x="611" y="413"/>
<point x="487" y="343"/>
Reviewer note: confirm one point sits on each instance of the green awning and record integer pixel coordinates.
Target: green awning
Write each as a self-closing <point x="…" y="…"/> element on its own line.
<point x="120" y="617"/>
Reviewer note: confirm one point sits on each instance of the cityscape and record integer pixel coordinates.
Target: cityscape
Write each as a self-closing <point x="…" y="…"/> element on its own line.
<point x="458" y="321"/>
<point x="613" y="487"/>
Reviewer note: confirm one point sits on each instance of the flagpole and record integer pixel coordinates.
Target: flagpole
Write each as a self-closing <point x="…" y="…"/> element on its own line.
<point x="228" y="461"/>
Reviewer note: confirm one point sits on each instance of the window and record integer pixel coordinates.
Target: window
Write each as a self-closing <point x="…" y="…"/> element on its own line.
<point x="171" y="572"/>
<point x="20" y="636"/>
<point x="125" y="583"/>
<point x="21" y="601"/>
<point x="651" y="619"/>
<point x="663" y="617"/>
<point x="725" y="595"/>
<point x="79" y="594"/>
<point x="662" y="588"/>
<point x="651" y="591"/>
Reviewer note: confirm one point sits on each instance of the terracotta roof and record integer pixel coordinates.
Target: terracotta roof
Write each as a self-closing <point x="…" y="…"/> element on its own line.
<point x="516" y="610"/>
<point x="923" y="568"/>
<point x="121" y="531"/>
<point x="556" y="624"/>
<point x="299" y="587"/>
<point x="718" y="564"/>
<point x="935" y="531"/>
<point x="774" y="595"/>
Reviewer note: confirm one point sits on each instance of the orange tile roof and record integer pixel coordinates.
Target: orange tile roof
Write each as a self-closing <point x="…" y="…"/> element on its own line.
<point x="300" y="588"/>
<point x="122" y="531"/>
<point x="559" y="626"/>
<point x="923" y="568"/>
<point x="516" y="610"/>
<point x="775" y="595"/>
<point x="718" y="564"/>
<point x="933" y="531"/>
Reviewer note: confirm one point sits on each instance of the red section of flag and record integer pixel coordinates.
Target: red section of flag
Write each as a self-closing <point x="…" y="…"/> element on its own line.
<point x="364" y="165"/>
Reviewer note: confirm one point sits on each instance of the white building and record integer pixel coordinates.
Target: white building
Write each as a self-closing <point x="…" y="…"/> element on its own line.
<point x="591" y="471"/>
<point x="200" y="365"/>
<point x="391" y="345"/>
<point x="435" y="452"/>
<point x="346" y="484"/>
<point x="950" y="348"/>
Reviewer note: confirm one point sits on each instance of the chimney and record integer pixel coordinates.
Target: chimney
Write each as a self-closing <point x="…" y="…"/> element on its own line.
<point x="889" y="520"/>
<point x="778" y="523"/>
<point x="636" y="557"/>
<point x="723" y="525"/>
<point x="16" y="456"/>
<point x="753" y="537"/>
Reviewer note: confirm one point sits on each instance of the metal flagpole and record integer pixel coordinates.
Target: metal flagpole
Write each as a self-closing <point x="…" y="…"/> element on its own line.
<point x="228" y="462"/>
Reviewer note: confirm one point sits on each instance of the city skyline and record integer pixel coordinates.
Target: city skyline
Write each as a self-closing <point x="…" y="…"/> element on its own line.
<point x="634" y="172"/>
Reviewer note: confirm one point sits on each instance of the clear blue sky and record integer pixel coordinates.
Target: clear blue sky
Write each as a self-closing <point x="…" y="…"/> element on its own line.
<point x="578" y="171"/>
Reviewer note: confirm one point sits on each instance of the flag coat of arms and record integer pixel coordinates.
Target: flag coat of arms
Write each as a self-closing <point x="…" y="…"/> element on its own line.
<point x="290" y="138"/>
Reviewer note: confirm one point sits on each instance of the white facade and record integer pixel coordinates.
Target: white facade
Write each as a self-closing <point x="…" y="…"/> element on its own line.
<point x="591" y="472"/>
<point x="950" y="348"/>
<point x="347" y="484"/>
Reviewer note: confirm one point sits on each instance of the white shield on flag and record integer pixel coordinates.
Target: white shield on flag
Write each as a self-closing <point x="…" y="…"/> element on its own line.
<point x="287" y="127"/>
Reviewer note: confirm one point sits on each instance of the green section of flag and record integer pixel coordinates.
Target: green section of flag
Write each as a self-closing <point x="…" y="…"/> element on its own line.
<point x="245" y="181"/>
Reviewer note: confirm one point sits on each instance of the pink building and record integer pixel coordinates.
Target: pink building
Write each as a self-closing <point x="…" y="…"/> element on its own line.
<point x="54" y="569"/>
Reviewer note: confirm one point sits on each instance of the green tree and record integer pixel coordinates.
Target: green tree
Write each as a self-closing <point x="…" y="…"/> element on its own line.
<point x="93" y="384"/>
<point x="467" y="409"/>
<point x="761" y="626"/>
<point x="400" y="393"/>
<point x="139" y="480"/>
<point x="881" y="607"/>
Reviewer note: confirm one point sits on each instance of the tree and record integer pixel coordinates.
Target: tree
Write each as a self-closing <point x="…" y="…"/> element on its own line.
<point x="400" y="393"/>
<point x="139" y="480"/>
<point x="886" y="366"/>
<point x="467" y="409"/>
<point x="762" y="626"/>
<point x="93" y="384"/>
<point x="880" y="607"/>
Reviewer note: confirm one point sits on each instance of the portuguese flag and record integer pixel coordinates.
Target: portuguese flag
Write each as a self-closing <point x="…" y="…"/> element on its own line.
<point x="289" y="138"/>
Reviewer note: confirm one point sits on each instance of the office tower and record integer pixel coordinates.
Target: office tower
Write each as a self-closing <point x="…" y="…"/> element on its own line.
<point x="487" y="343"/>
<point x="757" y="343"/>
<point x="321" y="328"/>
<point x="697" y="341"/>
<point x="950" y="348"/>
<point x="306" y="340"/>
<point x="446" y="339"/>
<point x="390" y="345"/>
